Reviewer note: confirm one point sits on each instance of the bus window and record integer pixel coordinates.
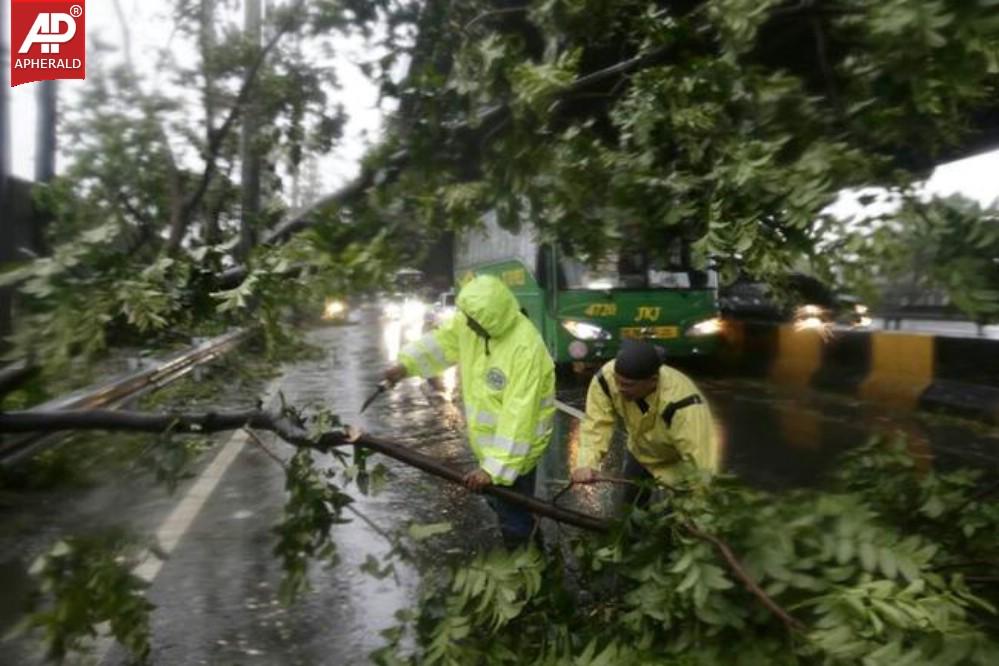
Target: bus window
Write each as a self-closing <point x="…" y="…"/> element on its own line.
<point x="635" y="270"/>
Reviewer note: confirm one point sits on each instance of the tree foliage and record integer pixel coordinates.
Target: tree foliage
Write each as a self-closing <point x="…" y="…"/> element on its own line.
<point x="726" y="122"/>
<point x="730" y="123"/>
<point x="948" y="246"/>
<point x="84" y="583"/>
<point x="880" y="567"/>
<point x="144" y="219"/>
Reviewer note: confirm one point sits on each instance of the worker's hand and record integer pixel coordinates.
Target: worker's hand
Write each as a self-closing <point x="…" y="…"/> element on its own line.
<point x="396" y="373"/>
<point x="584" y="475"/>
<point x="476" y="480"/>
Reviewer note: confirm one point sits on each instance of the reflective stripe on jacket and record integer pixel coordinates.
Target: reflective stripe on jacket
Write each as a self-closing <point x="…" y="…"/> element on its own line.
<point x="676" y="425"/>
<point x="507" y="379"/>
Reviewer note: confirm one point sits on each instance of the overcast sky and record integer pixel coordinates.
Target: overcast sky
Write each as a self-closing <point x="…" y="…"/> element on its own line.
<point x="976" y="177"/>
<point x="150" y="31"/>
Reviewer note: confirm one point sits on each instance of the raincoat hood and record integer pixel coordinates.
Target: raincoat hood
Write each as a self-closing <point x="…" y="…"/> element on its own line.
<point x="490" y="303"/>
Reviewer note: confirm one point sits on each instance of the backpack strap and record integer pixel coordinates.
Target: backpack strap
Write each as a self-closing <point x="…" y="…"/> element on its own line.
<point x="604" y="385"/>
<point x="673" y="407"/>
<point x="606" y="389"/>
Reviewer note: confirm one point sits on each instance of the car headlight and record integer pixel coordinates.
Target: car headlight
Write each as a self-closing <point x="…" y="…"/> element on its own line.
<point x="711" y="326"/>
<point x="334" y="308"/>
<point x="582" y="330"/>
<point x="413" y="310"/>
<point x="808" y="311"/>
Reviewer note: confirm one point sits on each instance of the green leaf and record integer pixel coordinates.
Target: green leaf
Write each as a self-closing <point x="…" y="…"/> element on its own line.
<point x="868" y="556"/>
<point x="887" y="562"/>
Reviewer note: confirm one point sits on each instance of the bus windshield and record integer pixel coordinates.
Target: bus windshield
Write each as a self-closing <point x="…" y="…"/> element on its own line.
<point x="633" y="271"/>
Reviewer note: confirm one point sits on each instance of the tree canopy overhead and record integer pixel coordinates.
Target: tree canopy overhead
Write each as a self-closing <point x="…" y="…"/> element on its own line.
<point x="730" y="122"/>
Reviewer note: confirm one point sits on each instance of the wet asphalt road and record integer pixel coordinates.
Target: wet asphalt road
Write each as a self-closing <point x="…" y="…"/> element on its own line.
<point x="216" y="596"/>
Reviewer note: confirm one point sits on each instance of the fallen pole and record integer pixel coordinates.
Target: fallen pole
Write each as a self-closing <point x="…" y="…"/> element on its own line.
<point x="120" y="420"/>
<point x="293" y="433"/>
<point x="432" y="466"/>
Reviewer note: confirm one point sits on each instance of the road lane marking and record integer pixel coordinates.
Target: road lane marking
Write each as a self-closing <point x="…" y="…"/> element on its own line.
<point x="570" y="410"/>
<point x="175" y="525"/>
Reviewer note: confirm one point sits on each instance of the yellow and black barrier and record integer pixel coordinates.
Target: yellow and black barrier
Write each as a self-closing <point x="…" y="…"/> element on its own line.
<point x="957" y="376"/>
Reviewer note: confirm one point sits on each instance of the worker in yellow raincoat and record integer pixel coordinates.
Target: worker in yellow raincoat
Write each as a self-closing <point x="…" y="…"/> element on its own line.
<point x="508" y="386"/>
<point x="666" y="417"/>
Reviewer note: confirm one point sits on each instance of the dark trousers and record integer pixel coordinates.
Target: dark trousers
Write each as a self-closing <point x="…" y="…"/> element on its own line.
<point x="516" y="523"/>
<point x="633" y="470"/>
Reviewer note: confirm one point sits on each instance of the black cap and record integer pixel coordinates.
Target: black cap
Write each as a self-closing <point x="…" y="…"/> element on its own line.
<point x="637" y="360"/>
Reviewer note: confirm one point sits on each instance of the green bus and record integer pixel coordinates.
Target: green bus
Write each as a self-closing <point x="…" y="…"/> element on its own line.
<point x="584" y="311"/>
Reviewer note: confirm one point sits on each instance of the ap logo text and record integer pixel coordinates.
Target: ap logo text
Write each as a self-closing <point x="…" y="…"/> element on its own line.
<point x="48" y="40"/>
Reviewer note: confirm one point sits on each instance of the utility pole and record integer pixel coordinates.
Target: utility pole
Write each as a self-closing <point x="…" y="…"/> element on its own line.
<point x="4" y="116"/>
<point x="249" y="150"/>
<point x="208" y="44"/>
<point x="6" y="224"/>
<point x="45" y="138"/>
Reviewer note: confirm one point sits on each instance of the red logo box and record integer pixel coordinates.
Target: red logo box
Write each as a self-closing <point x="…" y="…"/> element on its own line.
<point x="48" y="40"/>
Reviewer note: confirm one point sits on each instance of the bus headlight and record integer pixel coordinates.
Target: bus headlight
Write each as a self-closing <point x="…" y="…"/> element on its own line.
<point x="582" y="330"/>
<point x="711" y="326"/>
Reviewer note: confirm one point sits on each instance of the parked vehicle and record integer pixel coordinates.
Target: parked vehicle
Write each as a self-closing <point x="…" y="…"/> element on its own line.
<point x="443" y="309"/>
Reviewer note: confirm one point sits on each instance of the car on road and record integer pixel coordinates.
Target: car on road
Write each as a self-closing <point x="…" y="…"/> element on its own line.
<point x="442" y="310"/>
<point x="800" y="299"/>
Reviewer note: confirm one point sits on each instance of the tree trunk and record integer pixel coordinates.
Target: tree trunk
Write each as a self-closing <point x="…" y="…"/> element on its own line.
<point x="249" y="151"/>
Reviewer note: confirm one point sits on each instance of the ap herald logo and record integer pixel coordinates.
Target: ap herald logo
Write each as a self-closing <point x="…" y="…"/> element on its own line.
<point x="47" y="40"/>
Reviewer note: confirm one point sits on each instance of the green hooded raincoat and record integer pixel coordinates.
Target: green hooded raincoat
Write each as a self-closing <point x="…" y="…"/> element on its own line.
<point x="507" y="377"/>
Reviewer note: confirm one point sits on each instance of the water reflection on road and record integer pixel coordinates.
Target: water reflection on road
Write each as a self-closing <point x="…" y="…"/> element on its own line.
<point x="216" y="596"/>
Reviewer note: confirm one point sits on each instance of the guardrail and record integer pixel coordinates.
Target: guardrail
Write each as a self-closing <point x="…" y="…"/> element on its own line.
<point x="118" y="391"/>
<point x="938" y="373"/>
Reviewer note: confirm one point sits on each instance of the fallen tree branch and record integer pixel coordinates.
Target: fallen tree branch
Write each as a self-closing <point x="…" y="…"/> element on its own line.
<point x="484" y="124"/>
<point x="737" y="569"/>
<point x="723" y="548"/>
<point x="433" y="466"/>
<point x="104" y="419"/>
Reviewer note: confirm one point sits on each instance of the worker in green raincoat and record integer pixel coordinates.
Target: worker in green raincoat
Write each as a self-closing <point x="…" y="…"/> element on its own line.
<point x="666" y="417"/>
<point x="508" y="386"/>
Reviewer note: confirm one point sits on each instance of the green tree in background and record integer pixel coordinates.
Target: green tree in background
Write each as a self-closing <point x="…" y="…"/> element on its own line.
<point x="730" y="122"/>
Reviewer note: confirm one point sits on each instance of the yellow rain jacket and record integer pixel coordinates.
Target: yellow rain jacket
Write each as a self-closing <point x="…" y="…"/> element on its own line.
<point x="507" y="377"/>
<point x="675" y="425"/>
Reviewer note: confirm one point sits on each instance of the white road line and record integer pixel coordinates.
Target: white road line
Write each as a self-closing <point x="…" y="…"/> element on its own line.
<point x="173" y="528"/>
<point x="570" y="410"/>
